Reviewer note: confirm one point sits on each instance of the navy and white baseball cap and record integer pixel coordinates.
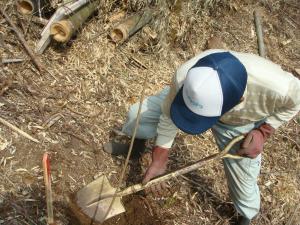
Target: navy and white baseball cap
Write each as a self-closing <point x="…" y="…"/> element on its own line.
<point x="213" y="86"/>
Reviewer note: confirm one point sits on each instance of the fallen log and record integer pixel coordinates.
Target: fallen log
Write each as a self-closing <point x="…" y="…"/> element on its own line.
<point x="35" y="60"/>
<point x="63" y="30"/>
<point x="130" y="26"/>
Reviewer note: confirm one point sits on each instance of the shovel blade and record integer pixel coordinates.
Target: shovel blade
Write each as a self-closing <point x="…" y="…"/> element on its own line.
<point x="92" y="201"/>
<point x="98" y="210"/>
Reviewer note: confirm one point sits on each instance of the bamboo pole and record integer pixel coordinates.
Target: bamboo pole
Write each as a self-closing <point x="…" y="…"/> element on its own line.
<point x="35" y="60"/>
<point x="63" y="30"/>
<point x="259" y="32"/>
<point x="130" y="26"/>
<point x="16" y="129"/>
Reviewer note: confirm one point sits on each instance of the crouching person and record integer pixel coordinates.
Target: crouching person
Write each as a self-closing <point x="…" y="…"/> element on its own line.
<point x="230" y="93"/>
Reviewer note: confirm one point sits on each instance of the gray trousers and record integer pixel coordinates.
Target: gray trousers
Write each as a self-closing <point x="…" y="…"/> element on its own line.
<point x="241" y="174"/>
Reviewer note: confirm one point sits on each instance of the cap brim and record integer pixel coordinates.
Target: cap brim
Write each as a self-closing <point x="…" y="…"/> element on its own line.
<point x="188" y="121"/>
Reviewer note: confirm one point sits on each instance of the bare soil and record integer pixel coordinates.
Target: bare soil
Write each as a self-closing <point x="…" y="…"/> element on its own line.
<point x="89" y="86"/>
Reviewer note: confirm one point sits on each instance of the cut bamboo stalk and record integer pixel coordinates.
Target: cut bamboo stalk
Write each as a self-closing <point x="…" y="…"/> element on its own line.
<point x="63" y="30"/>
<point x="130" y="26"/>
<point x="25" y="7"/>
<point x="59" y="14"/>
<point x="32" y="7"/>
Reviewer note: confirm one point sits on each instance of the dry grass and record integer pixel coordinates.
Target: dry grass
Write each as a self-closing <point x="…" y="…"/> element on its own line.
<point x="93" y="83"/>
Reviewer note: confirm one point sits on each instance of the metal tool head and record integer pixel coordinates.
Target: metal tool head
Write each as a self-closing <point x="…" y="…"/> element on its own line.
<point x="93" y="200"/>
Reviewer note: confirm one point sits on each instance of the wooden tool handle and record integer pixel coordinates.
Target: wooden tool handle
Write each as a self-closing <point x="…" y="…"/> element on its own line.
<point x="223" y="154"/>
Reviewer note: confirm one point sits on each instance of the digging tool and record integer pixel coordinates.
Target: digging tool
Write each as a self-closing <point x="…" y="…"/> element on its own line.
<point x="95" y="199"/>
<point x="47" y="179"/>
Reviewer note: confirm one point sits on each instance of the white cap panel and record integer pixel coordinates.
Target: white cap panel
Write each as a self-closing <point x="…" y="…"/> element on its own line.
<point x="202" y="92"/>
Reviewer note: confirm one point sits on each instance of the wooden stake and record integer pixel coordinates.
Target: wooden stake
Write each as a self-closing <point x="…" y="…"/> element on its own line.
<point x="35" y="60"/>
<point x="14" y="128"/>
<point x="47" y="179"/>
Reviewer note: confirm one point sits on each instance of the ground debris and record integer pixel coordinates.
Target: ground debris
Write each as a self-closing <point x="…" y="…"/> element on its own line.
<point x="75" y="108"/>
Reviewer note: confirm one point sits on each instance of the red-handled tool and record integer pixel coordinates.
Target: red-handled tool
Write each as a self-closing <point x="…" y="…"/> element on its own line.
<point x="47" y="179"/>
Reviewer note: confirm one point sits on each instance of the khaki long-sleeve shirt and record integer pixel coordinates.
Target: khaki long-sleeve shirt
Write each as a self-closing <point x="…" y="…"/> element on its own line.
<point x="271" y="94"/>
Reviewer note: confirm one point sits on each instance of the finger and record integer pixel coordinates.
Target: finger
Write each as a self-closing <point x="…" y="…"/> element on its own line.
<point x="247" y="141"/>
<point x="254" y="154"/>
<point x="242" y="152"/>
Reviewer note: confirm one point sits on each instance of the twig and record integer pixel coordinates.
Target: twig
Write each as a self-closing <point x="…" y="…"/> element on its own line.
<point x="27" y="27"/>
<point x="20" y="210"/>
<point x="259" y="32"/>
<point x="12" y="183"/>
<point x="12" y="60"/>
<point x="14" y="128"/>
<point x="199" y="186"/>
<point x="77" y="137"/>
<point x="23" y="41"/>
<point x="39" y="20"/>
<point x="290" y="139"/>
<point x="5" y="86"/>
<point x="80" y="113"/>
<point x="130" y="147"/>
<point x="293" y="215"/>
<point x="139" y="63"/>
